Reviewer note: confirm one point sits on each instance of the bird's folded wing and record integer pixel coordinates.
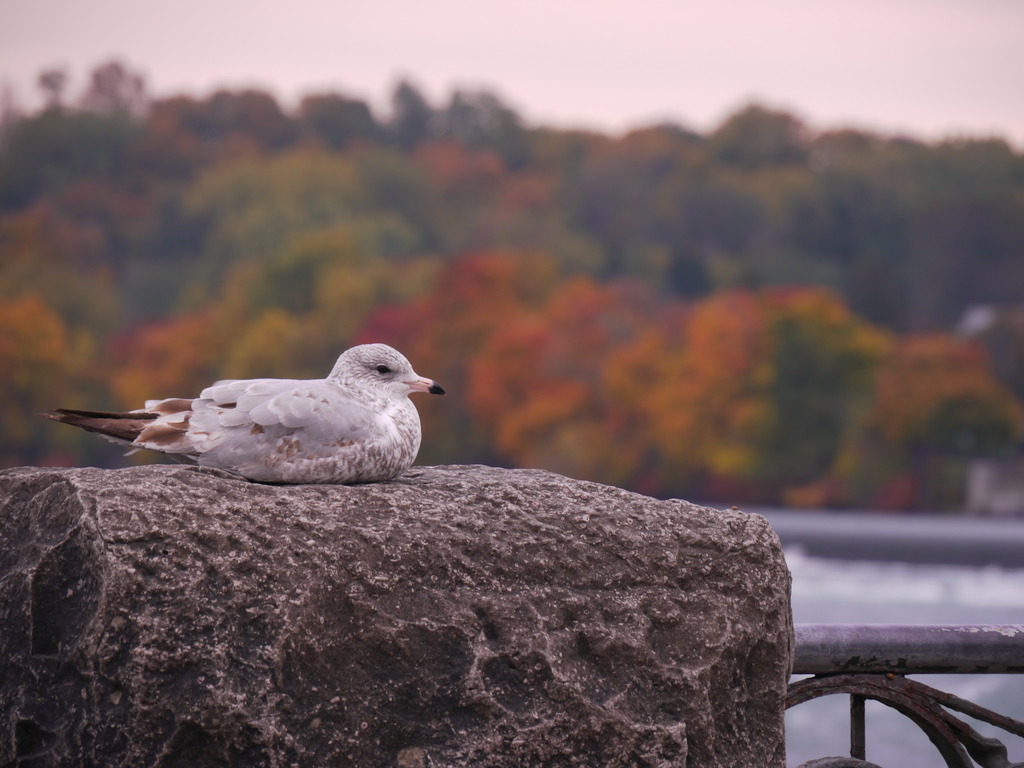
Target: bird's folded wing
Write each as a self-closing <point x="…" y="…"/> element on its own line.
<point x="316" y="407"/>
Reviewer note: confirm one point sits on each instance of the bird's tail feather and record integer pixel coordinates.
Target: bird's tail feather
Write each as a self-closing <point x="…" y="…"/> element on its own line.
<point x="120" y="427"/>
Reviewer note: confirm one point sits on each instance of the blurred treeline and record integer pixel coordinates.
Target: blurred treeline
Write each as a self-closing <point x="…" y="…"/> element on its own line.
<point x="763" y="313"/>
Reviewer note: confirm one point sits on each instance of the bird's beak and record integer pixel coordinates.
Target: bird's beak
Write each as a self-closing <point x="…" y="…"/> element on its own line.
<point x="426" y="385"/>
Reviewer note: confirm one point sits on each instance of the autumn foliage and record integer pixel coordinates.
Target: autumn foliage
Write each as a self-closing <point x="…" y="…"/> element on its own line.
<point x="759" y="314"/>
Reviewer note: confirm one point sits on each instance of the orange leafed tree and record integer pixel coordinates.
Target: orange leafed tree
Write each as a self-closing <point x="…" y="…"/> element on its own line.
<point x="689" y="387"/>
<point x="938" y="393"/>
<point x="173" y="358"/>
<point x="537" y="383"/>
<point x="455" y="168"/>
<point x="35" y="356"/>
<point x="936" y="399"/>
<point x="471" y="299"/>
<point x="752" y="392"/>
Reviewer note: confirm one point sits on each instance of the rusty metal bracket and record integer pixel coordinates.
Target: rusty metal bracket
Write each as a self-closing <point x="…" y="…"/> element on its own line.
<point x="927" y="707"/>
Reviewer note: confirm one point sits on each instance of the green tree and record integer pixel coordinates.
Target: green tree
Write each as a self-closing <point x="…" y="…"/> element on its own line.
<point x="44" y="153"/>
<point x="338" y="121"/>
<point x="411" y="115"/>
<point x="755" y="137"/>
<point x="823" y="362"/>
<point x="252" y="207"/>
<point x="479" y="119"/>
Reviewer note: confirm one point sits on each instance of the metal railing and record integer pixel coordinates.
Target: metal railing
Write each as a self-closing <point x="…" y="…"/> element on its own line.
<point x="871" y="661"/>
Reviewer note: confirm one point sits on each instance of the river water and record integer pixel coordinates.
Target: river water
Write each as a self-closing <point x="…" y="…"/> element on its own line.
<point x="875" y="589"/>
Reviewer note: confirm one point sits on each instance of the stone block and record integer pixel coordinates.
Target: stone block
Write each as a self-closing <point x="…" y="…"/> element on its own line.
<point x="458" y="616"/>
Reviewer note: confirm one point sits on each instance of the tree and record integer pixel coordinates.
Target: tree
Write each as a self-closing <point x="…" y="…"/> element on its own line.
<point x="469" y="300"/>
<point x="395" y="183"/>
<point x="480" y="119"/>
<point x="273" y="344"/>
<point x="44" y="153"/>
<point x="49" y="254"/>
<point x="755" y="137"/>
<point x="170" y="358"/>
<point x="337" y="120"/>
<point x="705" y="378"/>
<point x="937" y="403"/>
<point x="537" y="382"/>
<point x="183" y="132"/>
<point x="991" y="231"/>
<point x="324" y="282"/>
<point x="411" y="115"/>
<point x="822" y="362"/>
<point x="52" y="83"/>
<point x="252" y="207"/>
<point x="252" y="114"/>
<point x="754" y="392"/>
<point x="1003" y="339"/>
<point x="114" y="89"/>
<point x="937" y="394"/>
<point x="35" y="355"/>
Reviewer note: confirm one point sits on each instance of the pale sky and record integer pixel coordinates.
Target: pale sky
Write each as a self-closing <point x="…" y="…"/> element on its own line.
<point x="932" y="68"/>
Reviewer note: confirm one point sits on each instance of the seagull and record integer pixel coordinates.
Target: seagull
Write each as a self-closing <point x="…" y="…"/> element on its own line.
<point x="356" y="426"/>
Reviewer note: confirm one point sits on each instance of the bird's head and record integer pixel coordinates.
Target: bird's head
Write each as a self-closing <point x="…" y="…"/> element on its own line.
<point x="381" y="368"/>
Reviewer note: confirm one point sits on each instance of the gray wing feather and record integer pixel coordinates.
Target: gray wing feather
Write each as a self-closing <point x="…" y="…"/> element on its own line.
<point x="317" y="409"/>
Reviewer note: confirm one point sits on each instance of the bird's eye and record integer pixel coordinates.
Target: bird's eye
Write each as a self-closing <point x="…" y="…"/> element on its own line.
<point x="383" y="369"/>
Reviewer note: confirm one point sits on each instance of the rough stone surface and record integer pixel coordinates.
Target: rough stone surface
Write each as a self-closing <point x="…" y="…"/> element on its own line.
<point x="458" y="616"/>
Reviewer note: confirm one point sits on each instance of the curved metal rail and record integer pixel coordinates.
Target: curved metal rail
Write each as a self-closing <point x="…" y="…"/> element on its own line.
<point x="871" y="661"/>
